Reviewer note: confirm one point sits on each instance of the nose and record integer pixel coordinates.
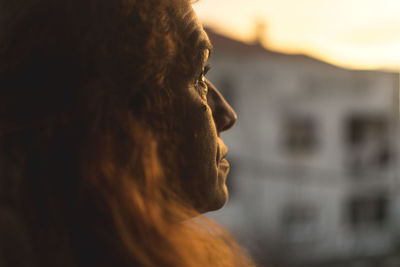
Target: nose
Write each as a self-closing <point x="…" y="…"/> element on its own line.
<point x="223" y="114"/>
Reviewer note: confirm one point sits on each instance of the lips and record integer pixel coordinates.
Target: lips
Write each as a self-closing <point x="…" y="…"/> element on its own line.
<point x="222" y="164"/>
<point x="222" y="151"/>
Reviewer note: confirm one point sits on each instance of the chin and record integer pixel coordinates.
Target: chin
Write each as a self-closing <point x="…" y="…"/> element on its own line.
<point x="220" y="195"/>
<point x="217" y="201"/>
<point x="207" y="192"/>
<point x="217" y="205"/>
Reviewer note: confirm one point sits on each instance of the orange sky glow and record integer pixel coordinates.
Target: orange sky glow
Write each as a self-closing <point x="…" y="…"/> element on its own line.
<point x="359" y="34"/>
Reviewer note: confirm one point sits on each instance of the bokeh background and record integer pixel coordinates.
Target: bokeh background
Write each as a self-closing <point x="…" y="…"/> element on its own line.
<point x="315" y="175"/>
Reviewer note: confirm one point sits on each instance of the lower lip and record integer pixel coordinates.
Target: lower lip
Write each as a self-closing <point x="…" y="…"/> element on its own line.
<point x="223" y="168"/>
<point x="224" y="163"/>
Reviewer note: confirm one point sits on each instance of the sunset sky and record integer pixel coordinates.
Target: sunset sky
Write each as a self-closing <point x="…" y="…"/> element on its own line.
<point x="361" y="34"/>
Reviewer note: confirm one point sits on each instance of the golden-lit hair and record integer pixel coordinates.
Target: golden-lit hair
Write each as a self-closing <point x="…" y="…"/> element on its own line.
<point x="81" y="180"/>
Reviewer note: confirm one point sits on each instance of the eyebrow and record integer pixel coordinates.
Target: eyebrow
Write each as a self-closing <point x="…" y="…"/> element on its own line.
<point x="203" y="45"/>
<point x="206" y="45"/>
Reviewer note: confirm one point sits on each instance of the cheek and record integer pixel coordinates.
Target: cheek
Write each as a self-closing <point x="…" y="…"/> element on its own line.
<point x="201" y="136"/>
<point x="196" y="139"/>
<point x="200" y="150"/>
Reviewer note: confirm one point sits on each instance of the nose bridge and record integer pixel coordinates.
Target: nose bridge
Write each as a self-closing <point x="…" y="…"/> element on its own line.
<point x="224" y="115"/>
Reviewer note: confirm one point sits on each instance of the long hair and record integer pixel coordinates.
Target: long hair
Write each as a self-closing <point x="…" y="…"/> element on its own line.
<point x="82" y="176"/>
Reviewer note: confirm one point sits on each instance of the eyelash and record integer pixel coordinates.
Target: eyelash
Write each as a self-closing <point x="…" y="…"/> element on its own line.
<point x="201" y="82"/>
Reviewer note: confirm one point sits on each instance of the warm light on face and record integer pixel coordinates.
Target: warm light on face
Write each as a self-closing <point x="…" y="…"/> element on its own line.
<point x="351" y="33"/>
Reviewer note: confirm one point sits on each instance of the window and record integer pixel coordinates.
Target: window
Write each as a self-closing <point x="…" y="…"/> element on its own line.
<point x="368" y="211"/>
<point x="368" y="144"/>
<point x="300" y="135"/>
<point x="299" y="222"/>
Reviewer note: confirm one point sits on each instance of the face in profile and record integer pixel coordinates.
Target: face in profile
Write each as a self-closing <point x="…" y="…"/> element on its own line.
<point x="204" y="114"/>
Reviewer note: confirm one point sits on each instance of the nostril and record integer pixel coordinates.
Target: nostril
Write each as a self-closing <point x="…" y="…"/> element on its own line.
<point x="225" y="119"/>
<point x="230" y="121"/>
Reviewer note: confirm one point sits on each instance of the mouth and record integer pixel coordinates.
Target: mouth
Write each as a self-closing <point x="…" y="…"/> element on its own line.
<point x="222" y="151"/>
<point x="222" y="164"/>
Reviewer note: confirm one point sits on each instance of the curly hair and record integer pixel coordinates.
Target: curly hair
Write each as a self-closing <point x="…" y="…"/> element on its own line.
<point x="82" y="88"/>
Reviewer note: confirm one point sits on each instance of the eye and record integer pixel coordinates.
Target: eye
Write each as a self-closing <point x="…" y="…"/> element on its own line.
<point x="201" y="84"/>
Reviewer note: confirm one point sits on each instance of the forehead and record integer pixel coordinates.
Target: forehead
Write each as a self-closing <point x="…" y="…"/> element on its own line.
<point x="204" y="45"/>
<point x="197" y="39"/>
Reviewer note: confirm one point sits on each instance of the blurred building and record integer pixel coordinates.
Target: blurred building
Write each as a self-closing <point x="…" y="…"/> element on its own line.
<point x="314" y="176"/>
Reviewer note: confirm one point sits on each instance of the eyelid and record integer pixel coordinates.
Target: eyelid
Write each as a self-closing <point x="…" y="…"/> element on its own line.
<point x="204" y="71"/>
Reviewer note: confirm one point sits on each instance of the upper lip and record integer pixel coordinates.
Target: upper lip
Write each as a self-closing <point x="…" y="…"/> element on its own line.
<point x="223" y="150"/>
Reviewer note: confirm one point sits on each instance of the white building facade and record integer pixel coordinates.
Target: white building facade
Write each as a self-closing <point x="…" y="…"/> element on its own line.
<point x="314" y="174"/>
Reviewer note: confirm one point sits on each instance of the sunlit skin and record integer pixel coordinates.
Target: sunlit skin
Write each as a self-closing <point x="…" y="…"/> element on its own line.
<point x="205" y="114"/>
